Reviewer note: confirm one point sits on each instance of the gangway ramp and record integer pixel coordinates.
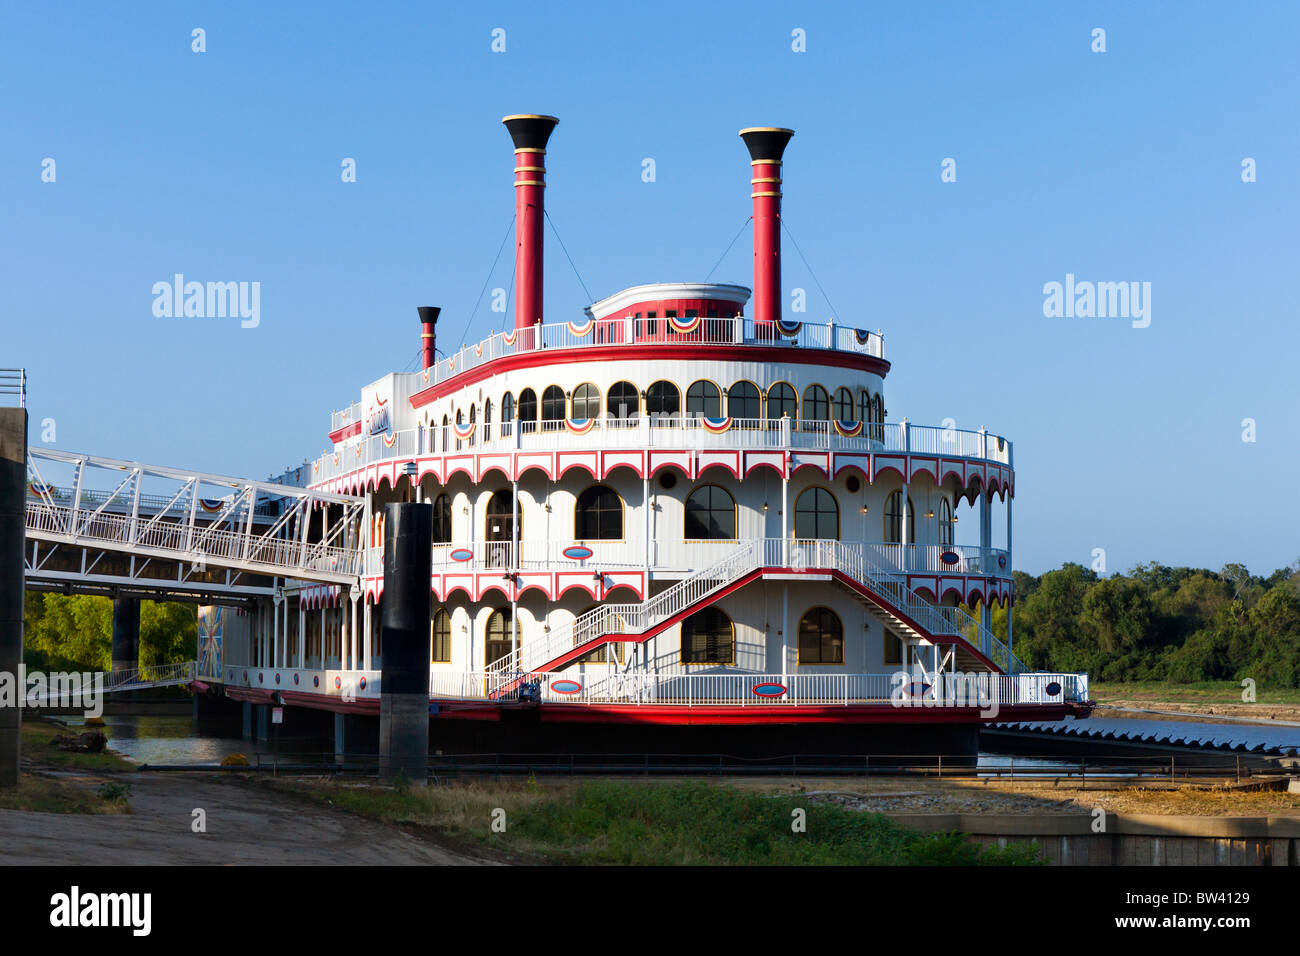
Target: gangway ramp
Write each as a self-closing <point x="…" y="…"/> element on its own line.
<point x="207" y="520"/>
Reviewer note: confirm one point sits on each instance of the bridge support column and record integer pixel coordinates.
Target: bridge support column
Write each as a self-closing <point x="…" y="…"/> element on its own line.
<point x="404" y="680"/>
<point x="13" y="523"/>
<point x="126" y="633"/>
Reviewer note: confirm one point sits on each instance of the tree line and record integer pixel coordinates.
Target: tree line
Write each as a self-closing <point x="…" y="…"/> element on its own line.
<point x="1160" y="623"/>
<point x="66" y="632"/>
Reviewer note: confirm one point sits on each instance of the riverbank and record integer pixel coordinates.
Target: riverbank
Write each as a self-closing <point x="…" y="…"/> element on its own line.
<point x="1191" y="701"/>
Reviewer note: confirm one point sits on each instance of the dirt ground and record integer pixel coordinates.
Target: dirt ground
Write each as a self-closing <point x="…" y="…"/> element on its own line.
<point x="246" y="824"/>
<point x="974" y="796"/>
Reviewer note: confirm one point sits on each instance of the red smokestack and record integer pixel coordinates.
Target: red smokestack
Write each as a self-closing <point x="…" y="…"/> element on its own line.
<point x="766" y="147"/>
<point x="530" y="131"/>
<point x="428" y="318"/>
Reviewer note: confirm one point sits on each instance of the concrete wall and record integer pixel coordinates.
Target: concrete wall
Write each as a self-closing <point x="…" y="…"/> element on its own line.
<point x="1130" y="840"/>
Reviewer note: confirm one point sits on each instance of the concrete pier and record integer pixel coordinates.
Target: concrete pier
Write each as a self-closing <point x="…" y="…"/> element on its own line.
<point x="404" y="682"/>
<point x="126" y="633"/>
<point x="13" y="505"/>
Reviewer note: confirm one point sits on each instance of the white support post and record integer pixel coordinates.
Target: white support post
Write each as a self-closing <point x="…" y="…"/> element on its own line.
<point x="366" y="663"/>
<point x="194" y="507"/>
<point x="275" y="621"/>
<point x="135" y="506"/>
<point x="785" y="631"/>
<point x="986" y="535"/>
<point x="906" y="536"/>
<point x="355" y="595"/>
<point x="302" y="633"/>
<point x="248" y="525"/>
<point x="345" y="647"/>
<point x="785" y="511"/>
<point x="1011" y="601"/>
<point x="514" y="562"/>
<point x="645" y="506"/>
<point x="76" y="499"/>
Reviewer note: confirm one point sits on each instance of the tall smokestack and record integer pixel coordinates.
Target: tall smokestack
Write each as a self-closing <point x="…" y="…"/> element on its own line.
<point x="530" y="131"/>
<point x="428" y="318"/>
<point x="766" y="147"/>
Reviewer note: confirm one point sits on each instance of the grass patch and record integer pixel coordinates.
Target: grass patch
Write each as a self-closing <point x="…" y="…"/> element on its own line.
<point x="38" y="748"/>
<point x="51" y="795"/>
<point x="625" y="823"/>
<point x="1205" y="692"/>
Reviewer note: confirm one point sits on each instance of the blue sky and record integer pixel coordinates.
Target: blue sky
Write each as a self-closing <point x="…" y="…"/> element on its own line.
<point x="1122" y="166"/>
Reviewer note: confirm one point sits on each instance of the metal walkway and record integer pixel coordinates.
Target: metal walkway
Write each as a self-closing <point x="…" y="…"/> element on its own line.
<point x="156" y="513"/>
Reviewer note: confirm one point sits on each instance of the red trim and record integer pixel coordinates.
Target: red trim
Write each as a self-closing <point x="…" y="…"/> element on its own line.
<point x="347" y="431"/>
<point x="687" y="715"/>
<point x="639" y="353"/>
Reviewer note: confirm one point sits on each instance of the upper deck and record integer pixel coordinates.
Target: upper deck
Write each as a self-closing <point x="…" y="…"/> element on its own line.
<point x="732" y="336"/>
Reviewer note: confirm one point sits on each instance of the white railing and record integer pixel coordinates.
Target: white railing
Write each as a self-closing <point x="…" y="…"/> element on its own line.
<point x="13" y="381"/>
<point x="680" y="687"/>
<point x="157" y="675"/>
<point x="899" y="689"/>
<point x="889" y="581"/>
<point x="629" y="618"/>
<point x="855" y="560"/>
<point x="346" y="416"/>
<point x="662" y="431"/>
<point x="635" y="333"/>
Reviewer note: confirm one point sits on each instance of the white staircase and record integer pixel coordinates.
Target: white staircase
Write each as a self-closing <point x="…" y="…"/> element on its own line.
<point x="904" y="609"/>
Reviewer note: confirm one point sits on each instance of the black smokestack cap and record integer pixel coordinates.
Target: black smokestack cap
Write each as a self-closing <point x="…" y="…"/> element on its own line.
<point x="766" y="142"/>
<point x="428" y="313"/>
<point x="530" y="130"/>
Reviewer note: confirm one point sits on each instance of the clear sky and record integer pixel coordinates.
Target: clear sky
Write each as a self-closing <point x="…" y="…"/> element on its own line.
<point x="1117" y="166"/>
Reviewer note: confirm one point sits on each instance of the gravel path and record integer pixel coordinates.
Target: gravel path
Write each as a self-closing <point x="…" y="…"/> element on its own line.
<point x="246" y="824"/>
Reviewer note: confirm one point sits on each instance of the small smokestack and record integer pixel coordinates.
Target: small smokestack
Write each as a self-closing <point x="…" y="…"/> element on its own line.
<point x="766" y="147"/>
<point x="428" y="319"/>
<point x="530" y="132"/>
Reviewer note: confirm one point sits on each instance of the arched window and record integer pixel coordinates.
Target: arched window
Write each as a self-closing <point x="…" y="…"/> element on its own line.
<point x="528" y="410"/>
<point x="894" y="519"/>
<point x="703" y="399"/>
<point x="553" y="404"/>
<point x="708" y="637"/>
<point x="507" y="414"/>
<point x="498" y="643"/>
<point x="816" y="515"/>
<point x="442" y="520"/>
<point x="446" y="430"/>
<point x="710" y="514"/>
<point x="663" y="399"/>
<point x="865" y="407"/>
<point x="473" y="435"/>
<point x="842" y="405"/>
<point x="586" y="402"/>
<point x="821" y="637"/>
<point x="781" y="402"/>
<point x="744" y="401"/>
<point x="945" y="523"/>
<point x="622" y="400"/>
<point x="816" y="406"/>
<point x="487" y="420"/>
<point x="598" y="515"/>
<point x="440" y="637"/>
